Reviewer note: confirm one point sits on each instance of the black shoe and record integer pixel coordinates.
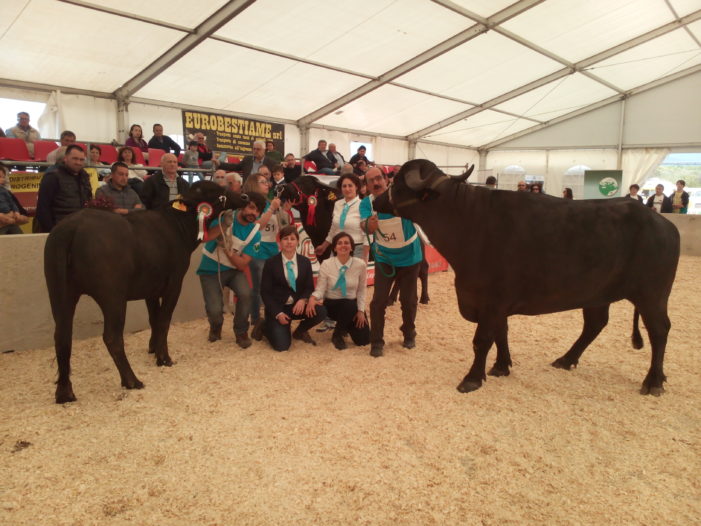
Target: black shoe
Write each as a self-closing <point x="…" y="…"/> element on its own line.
<point x="214" y="333"/>
<point x="338" y="341"/>
<point x="257" y="332"/>
<point x="304" y="336"/>
<point x="243" y="341"/>
<point x="376" y="350"/>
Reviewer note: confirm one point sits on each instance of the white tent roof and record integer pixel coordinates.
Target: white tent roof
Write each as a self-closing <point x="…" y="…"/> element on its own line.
<point x="462" y="72"/>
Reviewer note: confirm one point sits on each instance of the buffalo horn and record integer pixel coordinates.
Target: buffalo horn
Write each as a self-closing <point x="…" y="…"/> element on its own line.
<point x="467" y="174"/>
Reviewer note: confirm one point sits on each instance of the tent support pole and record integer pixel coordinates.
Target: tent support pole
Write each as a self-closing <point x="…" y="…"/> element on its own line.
<point x="619" y="160"/>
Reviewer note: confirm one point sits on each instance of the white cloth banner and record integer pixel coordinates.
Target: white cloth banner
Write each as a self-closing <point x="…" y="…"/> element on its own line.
<point x="638" y="165"/>
<point x="50" y="122"/>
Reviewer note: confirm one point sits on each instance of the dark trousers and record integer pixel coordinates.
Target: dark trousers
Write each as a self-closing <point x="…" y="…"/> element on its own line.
<point x="343" y="311"/>
<point x="280" y="336"/>
<point x="406" y="280"/>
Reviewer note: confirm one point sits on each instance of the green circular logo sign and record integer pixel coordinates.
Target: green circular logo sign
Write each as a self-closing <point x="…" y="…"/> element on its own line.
<point x="608" y="186"/>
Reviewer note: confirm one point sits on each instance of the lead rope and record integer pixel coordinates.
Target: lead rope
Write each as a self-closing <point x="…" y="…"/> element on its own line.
<point x="376" y="252"/>
<point x="226" y="246"/>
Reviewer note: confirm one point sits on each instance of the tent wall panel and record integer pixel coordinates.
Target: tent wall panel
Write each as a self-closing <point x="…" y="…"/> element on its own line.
<point x="91" y="118"/>
<point x="147" y="115"/>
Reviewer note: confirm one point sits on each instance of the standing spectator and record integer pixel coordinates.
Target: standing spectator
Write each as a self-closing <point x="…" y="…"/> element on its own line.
<point x="24" y="131"/>
<point x="251" y="164"/>
<point x="67" y="138"/>
<point x="164" y="186"/>
<point x="117" y="190"/>
<point x="346" y="217"/>
<point x="224" y="266"/>
<point x="360" y="156"/>
<point x="567" y="193"/>
<point x="336" y="158"/>
<point x="320" y="158"/>
<point x="287" y="285"/>
<point x="522" y="186"/>
<point x="64" y="190"/>
<point x="271" y="153"/>
<point x="11" y="213"/>
<point x="292" y="169"/>
<point x="633" y="192"/>
<point x="680" y="198"/>
<point x="136" y="138"/>
<point x="163" y="142"/>
<point x="341" y="286"/>
<point x="536" y="188"/>
<point x="396" y="246"/>
<point x="660" y="202"/>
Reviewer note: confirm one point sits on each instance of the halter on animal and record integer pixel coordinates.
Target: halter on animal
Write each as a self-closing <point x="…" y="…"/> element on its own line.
<point x="312" y="201"/>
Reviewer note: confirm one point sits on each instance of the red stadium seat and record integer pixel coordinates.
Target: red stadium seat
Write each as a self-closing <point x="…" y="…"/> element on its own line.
<point x="310" y="167"/>
<point x="154" y="156"/>
<point x="108" y="153"/>
<point x="42" y="149"/>
<point x="14" y="149"/>
<point x="233" y="159"/>
<point x="138" y="156"/>
<point x="180" y="158"/>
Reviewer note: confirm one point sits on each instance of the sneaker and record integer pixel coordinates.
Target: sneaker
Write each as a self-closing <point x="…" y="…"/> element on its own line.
<point x="304" y="336"/>
<point x="376" y="350"/>
<point x="338" y="341"/>
<point x="243" y="341"/>
<point x="257" y="332"/>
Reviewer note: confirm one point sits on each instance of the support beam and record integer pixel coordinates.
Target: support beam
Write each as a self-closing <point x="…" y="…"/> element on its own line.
<point x="621" y="126"/>
<point x="203" y="31"/>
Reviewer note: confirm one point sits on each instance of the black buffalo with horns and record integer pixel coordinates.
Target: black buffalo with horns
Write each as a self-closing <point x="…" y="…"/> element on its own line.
<point x="115" y="259"/>
<point x="587" y="254"/>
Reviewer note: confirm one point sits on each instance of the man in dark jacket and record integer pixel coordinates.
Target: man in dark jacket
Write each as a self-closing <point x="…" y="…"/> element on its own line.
<point x="319" y="156"/>
<point x="250" y="164"/>
<point x="163" y="142"/>
<point x="660" y="202"/>
<point x="64" y="190"/>
<point x="165" y="186"/>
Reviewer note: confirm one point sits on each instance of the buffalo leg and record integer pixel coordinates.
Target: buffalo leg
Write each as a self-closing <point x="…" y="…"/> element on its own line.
<point x="114" y="311"/>
<point x="481" y="343"/>
<point x="595" y="319"/>
<point x="153" y="305"/>
<point x="423" y="276"/>
<point x="658" y="325"/>
<point x="63" y="339"/>
<point x="161" y="325"/>
<point x="503" y="362"/>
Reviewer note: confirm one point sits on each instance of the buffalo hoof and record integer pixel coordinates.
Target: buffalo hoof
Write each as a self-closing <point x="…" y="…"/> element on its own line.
<point x="165" y="361"/>
<point x="562" y="364"/>
<point x="424" y="300"/>
<point x="467" y="386"/>
<point x="133" y="384"/>
<point x="499" y="371"/>
<point x="151" y="350"/>
<point x="654" y="391"/>
<point x="65" y="394"/>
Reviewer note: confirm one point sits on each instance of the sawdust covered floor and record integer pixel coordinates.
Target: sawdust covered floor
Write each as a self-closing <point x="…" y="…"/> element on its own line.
<point x="319" y="436"/>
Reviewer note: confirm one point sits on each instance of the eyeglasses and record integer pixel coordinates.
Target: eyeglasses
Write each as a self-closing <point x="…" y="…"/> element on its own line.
<point x="522" y="186"/>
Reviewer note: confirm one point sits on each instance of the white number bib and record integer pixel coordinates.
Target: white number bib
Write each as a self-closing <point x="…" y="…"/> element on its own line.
<point x="392" y="235"/>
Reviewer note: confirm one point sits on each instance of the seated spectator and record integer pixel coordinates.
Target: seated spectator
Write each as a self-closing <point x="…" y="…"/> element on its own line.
<point x="567" y="193"/>
<point x="205" y="154"/>
<point x="287" y="285"/>
<point x="319" y="157"/>
<point x="292" y="169"/>
<point x="251" y="164"/>
<point x="680" y="198"/>
<point x="96" y="175"/>
<point x="360" y="167"/>
<point x="67" y="138"/>
<point x="64" y="190"/>
<point x="360" y="156"/>
<point x="164" y="186"/>
<point x="163" y="142"/>
<point x="536" y="188"/>
<point x="11" y="212"/>
<point x="136" y="177"/>
<point x="633" y="192"/>
<point x="271" y="153"/>
<point x="342" y="286"/>
<point x="118" y="191"/>
<point x="660" y="202"/>
<point x="336" y="158"/>
<point x="234" y="182"/>
<point x="136" y="139"/>
<point x="24" y="131"/>
<point x="347" y="169"/>
<point x="191" y="158"/>
<point x="219" y="177"/>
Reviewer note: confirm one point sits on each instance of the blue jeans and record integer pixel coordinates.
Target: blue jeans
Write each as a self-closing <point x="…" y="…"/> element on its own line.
<point x="280" y="336"/>
<point x="256" y="268"/>
<point x="214" y="301"/>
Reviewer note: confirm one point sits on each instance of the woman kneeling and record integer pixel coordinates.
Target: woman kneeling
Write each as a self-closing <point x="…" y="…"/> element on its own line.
<point x="342" y="285"/>
<point x="286" y="285"/>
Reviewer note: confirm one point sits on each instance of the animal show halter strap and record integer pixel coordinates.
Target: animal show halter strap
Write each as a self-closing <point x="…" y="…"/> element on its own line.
<point x="312" y="201"/>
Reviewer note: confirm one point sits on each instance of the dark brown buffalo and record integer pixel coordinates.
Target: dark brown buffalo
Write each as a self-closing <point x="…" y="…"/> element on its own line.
<point x="586" y="254"/>
<point x="115" y="259"/>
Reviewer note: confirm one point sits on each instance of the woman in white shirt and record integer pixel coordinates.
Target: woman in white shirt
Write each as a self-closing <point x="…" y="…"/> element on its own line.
<point x="346" y="217"/>
<point x="341" y="286"/>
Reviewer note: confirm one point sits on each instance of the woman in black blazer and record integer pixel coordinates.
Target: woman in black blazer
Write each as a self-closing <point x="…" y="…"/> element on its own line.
<point x="286" y="286"/>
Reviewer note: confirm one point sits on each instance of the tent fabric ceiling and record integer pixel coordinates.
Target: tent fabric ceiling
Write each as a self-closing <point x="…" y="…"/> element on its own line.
<point x="460" y="72"/>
